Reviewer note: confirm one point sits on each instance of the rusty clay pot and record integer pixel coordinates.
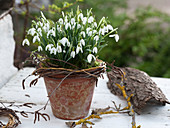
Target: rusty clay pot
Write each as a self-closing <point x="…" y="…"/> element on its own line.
<point x="73" y="98"/>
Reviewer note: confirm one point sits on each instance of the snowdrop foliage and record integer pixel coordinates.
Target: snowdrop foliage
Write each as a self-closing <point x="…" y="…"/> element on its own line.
<point x="76" y="38"/>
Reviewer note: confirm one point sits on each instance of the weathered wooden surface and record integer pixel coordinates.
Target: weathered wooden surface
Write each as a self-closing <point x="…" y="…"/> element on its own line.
<point x="157" y="116"/>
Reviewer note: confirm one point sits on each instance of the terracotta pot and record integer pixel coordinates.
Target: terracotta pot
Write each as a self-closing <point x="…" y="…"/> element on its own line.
<point x="73" y="98"/>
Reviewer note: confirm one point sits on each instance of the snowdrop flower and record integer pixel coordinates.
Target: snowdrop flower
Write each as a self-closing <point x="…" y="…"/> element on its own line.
<point x="83" y="33"/>
<point x="105" y="29"/>
<point x="78" y="26"/>
<point x="39" y="31"/>
<point x="79" y="48"/>
<point x="58" y="28"/>
<point x="109" y="27"/>
<point x="36" y="38"/>
<point x="52" y="31"/>
<point x="31" y="31"/>
<point x="72" y="21"/>
<point x="40" y="48"/>
<point x="63" y="41"/>
<point x="46" y="27"/>
<point x="101" y="31"/>
<point x="80" y="16"/>
<point x="73" y="54"/>
<point x="48" y="47"/>
<point x="84" y="20"/>
<point x="90" y="33"/>
<point x="40" y="24"/>
<point x="25" y="41"/>
<point x="90" y="20"/>
<point x="61" y="21"/>
<point x="95" y="24"/>
<point x="95" y="50"/>
<point x="59" y="49"/>
<point x="87" y="30"/>
<point x="90" y="57"/>
<point x="64" y="51"/>
<point x="65" y="19"/>
<point x="96" y="38"/>
<point x="116" y="37"/>
<point x="67" y="26"/>
<point x="82" y="42"/>
<point x="53" y="51"/>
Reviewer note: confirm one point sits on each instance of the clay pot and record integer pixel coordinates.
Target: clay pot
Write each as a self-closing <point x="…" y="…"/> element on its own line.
<point x="73" y="98"/>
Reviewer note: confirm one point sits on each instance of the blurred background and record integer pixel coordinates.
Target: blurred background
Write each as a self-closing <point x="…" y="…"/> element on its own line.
<point x="144" y="30"/>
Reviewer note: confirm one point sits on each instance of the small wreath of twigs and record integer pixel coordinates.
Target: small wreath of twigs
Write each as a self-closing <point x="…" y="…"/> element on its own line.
<point x="13" y="121"/>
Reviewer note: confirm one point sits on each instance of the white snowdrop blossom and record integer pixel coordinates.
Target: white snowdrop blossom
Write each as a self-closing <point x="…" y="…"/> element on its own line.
<point x="65" y="20"/>
<point x="102" y="31"/>
<point x="61" y="21"/>
<point x="84" y="20"/>
<point x="59" y="49"/>
<point x="95" y="50"/>
<point x="90" y="57"/>
<point x="82" y="42"/>
<point x="72" y="21"/>
<point x="109" y="27"/>
<point x="80" y="16"/>
<point x="40" y="48"/>
<point x="90" y="20"/>
<point x="67" y="26"/>
<point x="83" y="34"/>
<point x="36" y="38"/>
<point x="39" y="31"/>
<point x="53" y="51"/>
<point x="49" y="47"/>
<point x="64" y="41"/>
<point x="78" y="26"/>
<point x="25" y="41"/>
<point x="52" y="32"/>
<point x="31" y="31"/>
<point x="95" y="24"/>
<point x="79" y="48"/>
<point x="40" y="24"/>
<point x="87" y="30"/>
<point x="73" y="54"/>
<point x="90" y="33"/>
<point x="116" y="37"/>
<point x="46" y="27"/>
<point x="96" y="38"/>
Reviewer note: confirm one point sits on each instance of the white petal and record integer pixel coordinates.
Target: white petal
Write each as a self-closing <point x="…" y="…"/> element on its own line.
<point x="72" y="20"/>
<point x="95" y="50"/>
<point x="109" y="27"/>
<point x="40" y="48"/>
<point x="82" y="42"/>
<point x="89" y="58"/>
<point x="60" y="21"/>
<point x="83" y="33"/>
<point x="73" y="54"/>
<point x="96" y="38"/>
<point x="116" y="37"/>
<point x="25" y="41"/>
<point x="84" y="20"/>
<point x="90" y="20"/>
<point x="80" y="16"/>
